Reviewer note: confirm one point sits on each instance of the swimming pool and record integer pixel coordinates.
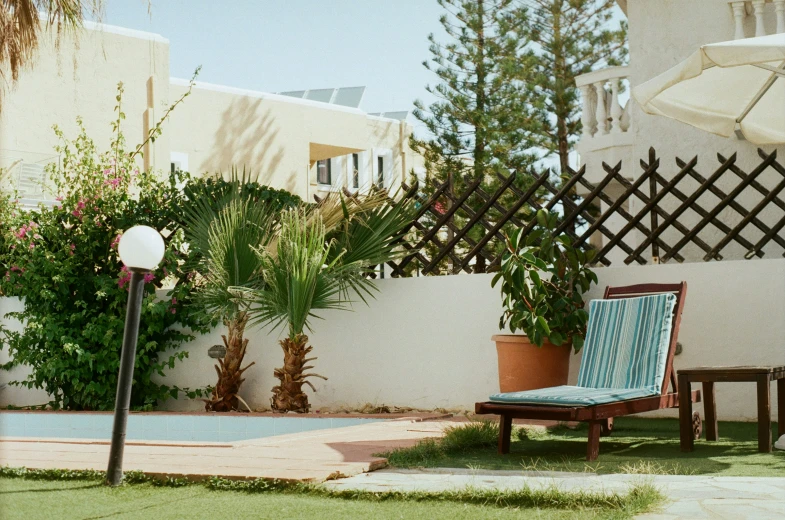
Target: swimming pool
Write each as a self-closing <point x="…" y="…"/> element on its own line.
<point x="164" y="427"/>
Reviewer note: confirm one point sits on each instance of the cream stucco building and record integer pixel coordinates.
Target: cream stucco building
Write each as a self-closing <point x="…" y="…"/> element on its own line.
<point x="307" y="142"/>
<point x="662" y="33"/>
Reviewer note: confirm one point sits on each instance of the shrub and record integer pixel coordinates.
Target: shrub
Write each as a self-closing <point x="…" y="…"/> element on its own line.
<point x="62" y="261"/>
<point x="543" y="279"/>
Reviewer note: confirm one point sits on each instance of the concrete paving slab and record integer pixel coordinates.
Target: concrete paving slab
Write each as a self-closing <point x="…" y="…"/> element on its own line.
<point x="307" y="456"/>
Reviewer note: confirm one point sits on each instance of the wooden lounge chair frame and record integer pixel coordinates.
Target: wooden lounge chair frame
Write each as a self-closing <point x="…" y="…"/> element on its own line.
<point x="600" y="416"/>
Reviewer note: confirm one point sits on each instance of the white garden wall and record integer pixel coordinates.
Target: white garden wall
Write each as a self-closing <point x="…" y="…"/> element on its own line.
<point x="425" y="342"/>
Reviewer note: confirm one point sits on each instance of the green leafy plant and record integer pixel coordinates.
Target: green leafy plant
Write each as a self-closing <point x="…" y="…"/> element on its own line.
<point x="543" y="280"/>
<point x="62" y="262"/>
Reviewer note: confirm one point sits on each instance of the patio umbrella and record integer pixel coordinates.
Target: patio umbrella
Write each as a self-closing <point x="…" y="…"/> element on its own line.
<point x="722" y="85"/>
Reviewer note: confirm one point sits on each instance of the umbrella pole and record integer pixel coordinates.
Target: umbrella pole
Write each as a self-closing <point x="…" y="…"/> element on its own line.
<point x="762" y="91"/>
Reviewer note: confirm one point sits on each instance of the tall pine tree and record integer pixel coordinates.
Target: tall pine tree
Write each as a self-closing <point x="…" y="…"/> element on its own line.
<point x="569" y="38"/>
<point x="482" y="120"/>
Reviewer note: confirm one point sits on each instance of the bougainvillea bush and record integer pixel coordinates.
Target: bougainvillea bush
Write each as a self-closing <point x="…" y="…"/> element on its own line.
<point x="62" y="261"/>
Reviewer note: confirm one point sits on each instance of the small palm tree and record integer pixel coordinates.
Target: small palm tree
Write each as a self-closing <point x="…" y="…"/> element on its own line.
<point x="222" y="236"/>
<point x="319" y="260"/>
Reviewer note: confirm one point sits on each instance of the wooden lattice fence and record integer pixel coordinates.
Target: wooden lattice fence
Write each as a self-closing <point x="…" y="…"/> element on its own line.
<point x="651" y="218"/>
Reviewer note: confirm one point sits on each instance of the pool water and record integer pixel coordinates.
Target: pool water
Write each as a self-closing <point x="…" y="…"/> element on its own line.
<point x="164" y="427"/>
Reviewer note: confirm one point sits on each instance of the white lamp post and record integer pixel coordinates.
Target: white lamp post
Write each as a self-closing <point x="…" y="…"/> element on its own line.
<point x="141" y="249"/>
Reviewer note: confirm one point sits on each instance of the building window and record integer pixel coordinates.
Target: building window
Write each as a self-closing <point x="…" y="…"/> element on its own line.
<point x="380" y="171"/>
<point x="324" y="172"/>
<point x="356" y="171"/>
<point x="178" y="162"/>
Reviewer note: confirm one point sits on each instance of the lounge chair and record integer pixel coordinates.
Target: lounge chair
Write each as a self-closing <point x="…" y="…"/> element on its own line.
<point x="626" y="367"/>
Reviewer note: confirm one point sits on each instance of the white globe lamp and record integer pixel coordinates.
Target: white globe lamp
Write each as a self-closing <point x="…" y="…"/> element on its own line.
<point x="141" y="247"/>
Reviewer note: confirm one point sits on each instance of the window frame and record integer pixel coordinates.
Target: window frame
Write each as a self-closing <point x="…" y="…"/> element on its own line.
<point x="329" y="168"/>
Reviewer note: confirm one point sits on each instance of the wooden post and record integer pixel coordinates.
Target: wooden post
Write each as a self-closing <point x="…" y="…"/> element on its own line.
<point x="593" y="446"/>
<point x="685" y="414"/>
<point x="764" y="413"/>
<point x="710" y="409"/>
<point x="780" y="407"/>
<point x="505" y="433"/>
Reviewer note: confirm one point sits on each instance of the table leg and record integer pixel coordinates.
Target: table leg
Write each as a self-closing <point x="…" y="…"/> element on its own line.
<point x="780" y="407"/>
<point x="764" y="413"/>
<point x="685" y="414"/>
<point x="710" y="409"/>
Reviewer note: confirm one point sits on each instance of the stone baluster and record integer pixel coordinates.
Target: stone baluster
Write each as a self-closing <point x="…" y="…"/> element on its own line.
<point x="739" y="12"/>
<point x="602" y="114"/>
<point x="759" y="6"/>
<point x="616" y="110"/>
<point x="587" y="115"/>
<point x="625" y="117"/>
<point x="779" y="7"/>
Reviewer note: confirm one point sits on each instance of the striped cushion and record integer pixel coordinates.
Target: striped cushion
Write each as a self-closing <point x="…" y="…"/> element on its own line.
<point x="627" y="343"/>
<point x="624" y="355"/>
<point x="570" y="396"/>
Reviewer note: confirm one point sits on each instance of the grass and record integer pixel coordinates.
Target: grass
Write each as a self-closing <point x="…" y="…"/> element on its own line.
<point x="636" y="446"/>
<point x="64" y="495"/>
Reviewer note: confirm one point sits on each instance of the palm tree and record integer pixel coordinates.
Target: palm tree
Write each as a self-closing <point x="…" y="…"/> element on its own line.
<point x="221" y="236"/>
<point x="20" y="26"/>
<point x="319" y="260"/>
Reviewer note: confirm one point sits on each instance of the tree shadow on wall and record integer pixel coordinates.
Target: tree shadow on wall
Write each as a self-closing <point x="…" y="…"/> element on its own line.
<point x="248" y="137"/>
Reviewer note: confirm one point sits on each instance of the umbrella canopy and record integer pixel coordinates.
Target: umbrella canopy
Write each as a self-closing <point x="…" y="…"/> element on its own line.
<point x="740" y="82"/>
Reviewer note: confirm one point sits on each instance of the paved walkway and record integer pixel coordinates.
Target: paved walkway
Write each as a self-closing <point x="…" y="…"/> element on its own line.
<point x="690" y="497"/>
<point x="310" y="456"/>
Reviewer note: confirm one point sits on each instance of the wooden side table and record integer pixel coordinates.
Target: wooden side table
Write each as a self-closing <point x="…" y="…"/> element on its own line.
<point x="762" y="375"/>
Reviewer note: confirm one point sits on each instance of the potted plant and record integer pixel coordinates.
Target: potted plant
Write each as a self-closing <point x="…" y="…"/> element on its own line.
<point x="542" y="279"/>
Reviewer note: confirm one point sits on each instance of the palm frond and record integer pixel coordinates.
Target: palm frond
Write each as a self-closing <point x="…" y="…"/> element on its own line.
<point x="297" y="275"/>
<point x="224" y="240"/>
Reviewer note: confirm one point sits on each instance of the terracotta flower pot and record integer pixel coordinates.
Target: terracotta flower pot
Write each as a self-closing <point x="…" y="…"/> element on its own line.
<point x="524" y="366"/>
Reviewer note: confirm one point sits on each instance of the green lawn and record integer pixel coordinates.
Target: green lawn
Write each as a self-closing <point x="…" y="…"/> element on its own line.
<point x="24" y="499"/>
<point x="636" y="446"/>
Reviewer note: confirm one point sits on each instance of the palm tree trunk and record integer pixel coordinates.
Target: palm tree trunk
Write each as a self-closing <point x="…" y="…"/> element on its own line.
<point x="224" y="398"/>
<point x="288" y="396"/>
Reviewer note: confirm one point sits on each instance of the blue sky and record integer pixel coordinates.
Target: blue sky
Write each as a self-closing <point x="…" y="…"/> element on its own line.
<point x="298" y="44"/>
<point x="278" y="45"/>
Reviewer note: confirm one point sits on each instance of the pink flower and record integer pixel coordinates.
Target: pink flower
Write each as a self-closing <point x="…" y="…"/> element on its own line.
<point x="115" y="241"/>
<point x="59" y="198"/>
<point x="149" y="277"/>
<point x="174" y="311"/>
<point x="80" y="205"/>
<point x="32" y="246"/>
<point x="125" y="277"/>
<point x="72" y="247"/>
<point x="76" y="213"/>
<point x="174" y="301"/>
<point x="37" y="236"/>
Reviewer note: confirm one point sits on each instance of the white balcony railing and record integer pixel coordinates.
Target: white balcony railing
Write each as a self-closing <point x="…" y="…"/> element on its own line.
<point x="761" y="10"/>
<point x="603" y="114"/>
